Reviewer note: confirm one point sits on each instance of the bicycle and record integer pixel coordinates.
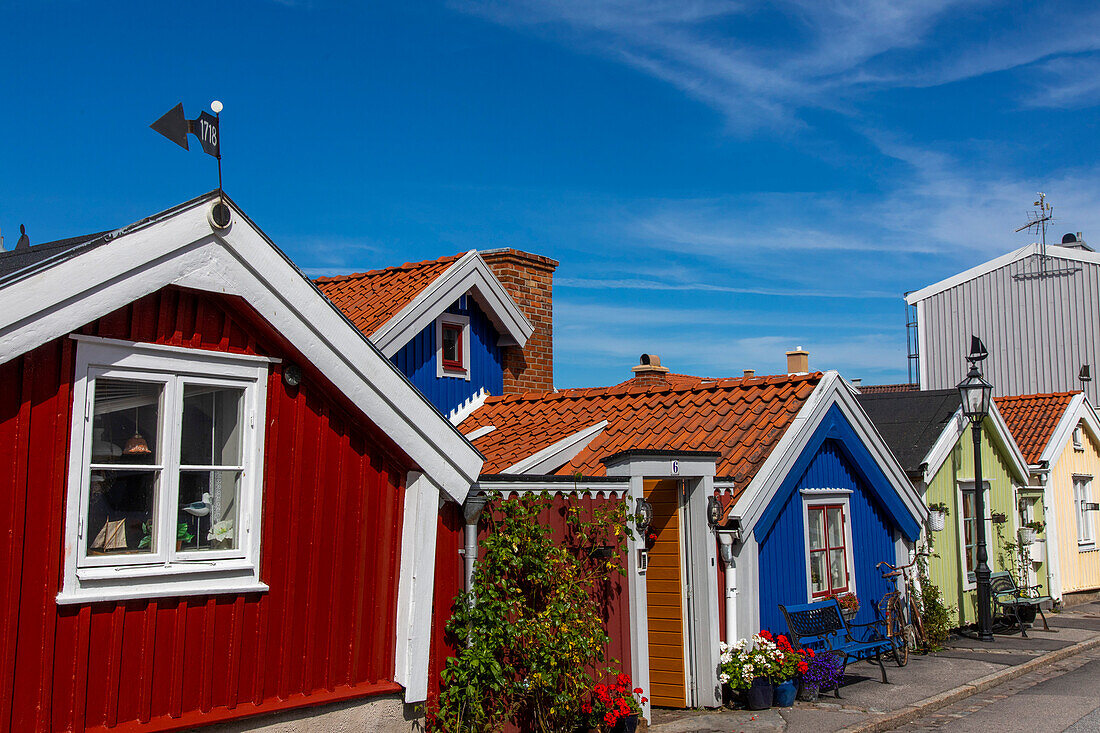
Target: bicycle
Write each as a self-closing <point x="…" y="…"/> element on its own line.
<point x="902" y="619"/>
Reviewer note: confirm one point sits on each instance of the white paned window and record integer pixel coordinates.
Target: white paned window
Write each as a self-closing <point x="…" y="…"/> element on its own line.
<point x="828" y="544"/>
<point x="452" y="346"/>
<point x="968" y="527"/>
<point x="1082" y="495"/>
<point x="165" y="472"/>
<point x="1078" y="439"/>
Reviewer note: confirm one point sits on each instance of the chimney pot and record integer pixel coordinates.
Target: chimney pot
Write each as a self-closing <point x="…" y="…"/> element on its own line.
<point x="798" y="361"/>
<point x="750" y="373"/>
<point x="857" y="382"/>
<point x="649" y="371"/>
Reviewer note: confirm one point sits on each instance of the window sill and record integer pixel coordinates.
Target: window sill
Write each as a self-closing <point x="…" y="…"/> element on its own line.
<point x="161" y="582"/>
<point x="455" y="373"/>
<point x="1090" y="547"/>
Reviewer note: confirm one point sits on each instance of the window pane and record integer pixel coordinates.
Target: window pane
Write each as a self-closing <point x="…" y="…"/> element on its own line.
<point x="121" y="516"/>
<point x="450" y="343"/>
<point x="838" y="569"/>
<point x="211" y="425"/>
<point x="208" y="510"/>
<point x="836" y="527"/>
<point x="817" y="531"/>
<point x="817" y="572"/>
<point x="126" y="421"/>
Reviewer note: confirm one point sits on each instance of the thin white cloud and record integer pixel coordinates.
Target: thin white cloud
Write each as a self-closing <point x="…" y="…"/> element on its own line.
<point x="711" y="287"/>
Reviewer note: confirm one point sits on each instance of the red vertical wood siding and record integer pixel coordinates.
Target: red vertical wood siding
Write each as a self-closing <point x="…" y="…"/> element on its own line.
<point x="450" y="578"/>
<point x="332" y="509"/>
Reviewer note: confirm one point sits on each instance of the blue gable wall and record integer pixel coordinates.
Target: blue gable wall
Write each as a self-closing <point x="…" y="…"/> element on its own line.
<point x="782" y="545"/>
<point x="416" y="360"/>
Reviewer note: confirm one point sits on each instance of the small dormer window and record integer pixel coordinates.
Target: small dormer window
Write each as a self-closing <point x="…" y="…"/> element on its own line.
<point x="1078" y="441"/>
<point x="453" y="346"/>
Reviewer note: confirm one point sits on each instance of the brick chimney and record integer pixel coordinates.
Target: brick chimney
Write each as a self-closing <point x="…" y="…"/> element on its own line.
<point x="649" y="372"/>
<point x="798" y="361"/>
<point x="529" y="279"/>
<point x="749" y="373"/>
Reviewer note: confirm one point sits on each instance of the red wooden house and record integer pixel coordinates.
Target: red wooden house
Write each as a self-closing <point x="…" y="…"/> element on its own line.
<point x="218" y="499"/>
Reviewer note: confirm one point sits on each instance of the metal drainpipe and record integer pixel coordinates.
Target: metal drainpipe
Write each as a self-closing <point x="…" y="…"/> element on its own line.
<point x="730" y="574"/>
<point x="472" y="511"/>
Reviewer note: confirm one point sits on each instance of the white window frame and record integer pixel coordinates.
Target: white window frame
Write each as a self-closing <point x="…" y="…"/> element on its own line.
<point x="166" y="572"/>
<point x="462" y="322"/>
<point x="1086" y="540"/>
<point x="1078" y="437"/>
<point x="970" y="581"/>
<point x="828" y="497"/>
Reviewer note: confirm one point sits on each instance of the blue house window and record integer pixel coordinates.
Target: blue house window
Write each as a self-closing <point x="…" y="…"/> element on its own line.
<point x="826" y="518"/>
<point x="452" y="344"/>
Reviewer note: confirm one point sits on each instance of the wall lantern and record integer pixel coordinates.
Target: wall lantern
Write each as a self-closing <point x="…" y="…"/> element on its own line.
<point x="714" y="511"/>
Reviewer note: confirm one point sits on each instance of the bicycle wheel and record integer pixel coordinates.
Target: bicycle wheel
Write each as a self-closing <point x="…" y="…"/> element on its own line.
<point x="917" y="626"/>
<point x="897" y="633"/>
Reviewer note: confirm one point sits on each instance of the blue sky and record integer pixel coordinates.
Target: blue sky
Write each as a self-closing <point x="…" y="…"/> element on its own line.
<point x="721" y="181"/>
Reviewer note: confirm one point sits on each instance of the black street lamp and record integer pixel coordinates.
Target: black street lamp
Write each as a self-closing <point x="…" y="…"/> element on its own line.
<point x="975" y="393"/>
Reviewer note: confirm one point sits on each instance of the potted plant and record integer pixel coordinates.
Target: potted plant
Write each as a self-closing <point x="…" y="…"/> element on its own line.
<point x="849" y="605"/>
<point x="615" y="707"/>
<point x="786" y="675"/>
<point x="748" y="665"/>
<point x="1028" y="531"/>
<point x="823" y="671"/>
<point x="183" y="535"/>
<point x="998" y="517"/>
<point x="937" y="517"/>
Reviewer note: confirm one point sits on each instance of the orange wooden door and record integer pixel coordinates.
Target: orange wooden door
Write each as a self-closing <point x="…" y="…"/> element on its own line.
<point x="664" y="597"/>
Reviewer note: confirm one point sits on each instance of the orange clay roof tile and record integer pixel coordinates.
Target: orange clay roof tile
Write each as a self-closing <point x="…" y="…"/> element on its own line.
<point x="1033" y="418"/>
<point x="370" y="299"/>
<point x="743" y="419"/>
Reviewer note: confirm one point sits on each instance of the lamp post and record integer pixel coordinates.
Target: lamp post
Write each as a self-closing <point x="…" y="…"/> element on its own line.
<point x="975" y="393"/>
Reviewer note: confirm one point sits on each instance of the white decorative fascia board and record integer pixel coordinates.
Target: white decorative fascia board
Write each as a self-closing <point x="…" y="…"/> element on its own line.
<point x="557" y="454"/>
<point x="1077" y="410"/>
<point x="467" y="408"/>
<point x="1064" y="253"/>
<point x="944" y="444"/>
<point x="469" y="274"/>
<point x="182" y="249"/>
<point x="594" y="489"/>
<point x="831" y="390"/>
<point x="415" y="586"/>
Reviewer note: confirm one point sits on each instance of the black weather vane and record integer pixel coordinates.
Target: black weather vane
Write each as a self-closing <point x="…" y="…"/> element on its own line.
<point x="206" y="127"/>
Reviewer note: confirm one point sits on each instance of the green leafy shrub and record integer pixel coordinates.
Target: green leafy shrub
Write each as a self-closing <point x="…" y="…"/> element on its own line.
<point x="935" y="615"/>
<point x="531" y="633"/>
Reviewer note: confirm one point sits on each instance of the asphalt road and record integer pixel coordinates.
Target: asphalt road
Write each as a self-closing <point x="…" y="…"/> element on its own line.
<point x="1062" y="697"/>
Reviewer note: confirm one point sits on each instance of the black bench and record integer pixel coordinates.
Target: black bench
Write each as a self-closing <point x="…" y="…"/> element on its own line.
<point x="821" y="626"/>
<point x="1005" y="595"/>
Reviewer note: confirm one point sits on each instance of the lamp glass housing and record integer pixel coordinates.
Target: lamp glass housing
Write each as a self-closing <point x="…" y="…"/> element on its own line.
<point x="975" y="393"/>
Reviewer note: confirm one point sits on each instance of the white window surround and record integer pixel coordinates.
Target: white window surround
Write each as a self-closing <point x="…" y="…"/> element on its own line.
<point x="967" y="485"/>
<point x="1082" y="493"/>
<point x="1078" y="441"/>
<point x="831" y="497"/>
<point x="462" y="322"/>
<point x="165" y="572"/>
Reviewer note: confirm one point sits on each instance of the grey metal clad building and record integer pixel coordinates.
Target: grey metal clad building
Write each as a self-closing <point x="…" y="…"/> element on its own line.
<point x="1038" y="316"/>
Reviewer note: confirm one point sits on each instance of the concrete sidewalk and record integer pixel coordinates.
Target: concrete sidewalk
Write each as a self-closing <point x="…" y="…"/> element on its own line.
<point x="964" y="668"/>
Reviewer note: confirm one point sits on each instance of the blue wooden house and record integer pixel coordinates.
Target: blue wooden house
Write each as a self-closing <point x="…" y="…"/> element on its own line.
<point x="460" y="327"/>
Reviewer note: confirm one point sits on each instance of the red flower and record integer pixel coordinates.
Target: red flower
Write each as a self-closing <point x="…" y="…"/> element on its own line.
<point x="766" y="635"/>
<point x="638" y="690"/>
<point x="623" y="679"/>
<point x="802" y="667"/>
<point x="645" y="700"/>
<point x="610" y="717"/>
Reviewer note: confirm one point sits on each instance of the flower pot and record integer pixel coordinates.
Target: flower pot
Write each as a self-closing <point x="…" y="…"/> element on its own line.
<point x="848" y="614"/>
<point x="807" y="693"/>
<point x="626" y="724"/>
<point x="785" y="693"/>
<point x="937" y="520"/>
<point x="1026" y="535"/>
<point x="1038" y="550"/>
<point x="759" y="696"/>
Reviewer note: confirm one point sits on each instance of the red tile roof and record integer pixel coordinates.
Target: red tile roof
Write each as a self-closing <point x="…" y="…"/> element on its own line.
<point x="674" y="380"/>
<point x="881" y="388"/>
<point x="1032" y="419"/>
<point x="370" y="299"/>
<point x="742" y="419"/>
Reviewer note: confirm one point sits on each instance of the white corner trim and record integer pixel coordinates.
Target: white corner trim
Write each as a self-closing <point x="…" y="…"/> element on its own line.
<point x="468" y="274"/>
<point x="181" y="249"/>
<point x="415" y="586"/>
<point x="557" y="454"/>
<point x="463" y="322"/>
<point x="467" y="408"/>
<point x="479" y="432"/>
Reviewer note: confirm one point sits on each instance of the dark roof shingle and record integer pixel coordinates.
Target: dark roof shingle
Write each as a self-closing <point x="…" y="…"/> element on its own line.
<point x="911" y="422"/>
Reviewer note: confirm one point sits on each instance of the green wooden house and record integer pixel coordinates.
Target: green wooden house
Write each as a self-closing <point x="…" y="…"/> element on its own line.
<point x="933" y="442"/>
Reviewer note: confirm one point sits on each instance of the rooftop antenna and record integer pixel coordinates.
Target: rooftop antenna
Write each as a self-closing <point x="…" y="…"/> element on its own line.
<point x="1037" y="221"/>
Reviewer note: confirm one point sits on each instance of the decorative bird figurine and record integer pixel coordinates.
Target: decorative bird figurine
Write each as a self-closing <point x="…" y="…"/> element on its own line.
<point x="199" y="508"/>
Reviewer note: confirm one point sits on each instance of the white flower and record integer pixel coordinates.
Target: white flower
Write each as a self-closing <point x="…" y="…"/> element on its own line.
<point x="221" y="531"/>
